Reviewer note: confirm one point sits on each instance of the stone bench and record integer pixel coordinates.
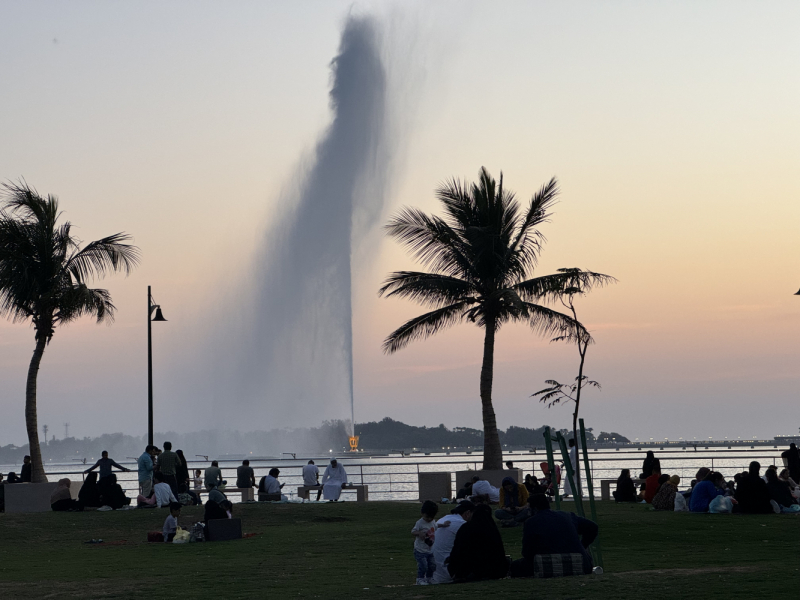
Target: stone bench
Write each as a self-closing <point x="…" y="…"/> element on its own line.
<point x="362" y="491"/>
<point x="605" y="487"/>
<point x="247" y="493"/>
<point x="32" y="497"/>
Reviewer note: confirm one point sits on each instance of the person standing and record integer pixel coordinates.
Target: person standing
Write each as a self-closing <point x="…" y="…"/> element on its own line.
<point x="424" y="532"/>
<point x="333" y="480"/>
<point x="25" y="474"/>
<point x="182" y="472"/>
<point x="311" y="477"/>
<point x="791" y="460"/>
<point x="245" y="476"/>
<point x="145" y="464"/>
<point x="105" y="465"/>
<point x="168" y="463"/>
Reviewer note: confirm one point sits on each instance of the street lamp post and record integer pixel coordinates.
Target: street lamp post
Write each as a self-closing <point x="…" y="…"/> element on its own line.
<point x="150" y="318"/>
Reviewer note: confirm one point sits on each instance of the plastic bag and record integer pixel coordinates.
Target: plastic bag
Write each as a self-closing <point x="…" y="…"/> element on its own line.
<point x="181" y="537"/>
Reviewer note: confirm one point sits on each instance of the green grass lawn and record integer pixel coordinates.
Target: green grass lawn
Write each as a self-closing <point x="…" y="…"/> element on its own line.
<point x="349" y="550"/>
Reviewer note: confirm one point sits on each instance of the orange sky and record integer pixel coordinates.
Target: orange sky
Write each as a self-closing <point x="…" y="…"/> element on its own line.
<point x="673" y="130"/>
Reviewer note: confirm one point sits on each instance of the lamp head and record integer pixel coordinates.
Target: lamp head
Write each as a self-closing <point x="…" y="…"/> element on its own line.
<point x="159" y="316"/>
<point x="798" y="293"/>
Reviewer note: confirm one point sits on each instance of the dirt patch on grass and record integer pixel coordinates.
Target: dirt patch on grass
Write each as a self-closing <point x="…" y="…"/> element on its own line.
<point x="330" y="519"/>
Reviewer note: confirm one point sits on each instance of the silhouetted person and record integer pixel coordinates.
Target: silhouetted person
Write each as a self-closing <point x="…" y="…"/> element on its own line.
<point x="25" y="475"/>
<point x="752" y="494"/>
<point x="245" y="476"/>
<point x="779" y="490"/>
<point x="650" y="463"/>
<point x="168" y="462"/>
<point x="553" y="532"/>
<point x="792" y="461"/>
<point x="626" y="491"/>
<point x="89" y="495"/>
<point x="105" y="465"/>
<point x="478" y="551"/>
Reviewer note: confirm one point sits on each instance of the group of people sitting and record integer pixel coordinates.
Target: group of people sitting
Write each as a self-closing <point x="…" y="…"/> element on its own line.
<point x="466" y="544"/>
<point x="23" y="477"/>
<point x="748" y="492"/>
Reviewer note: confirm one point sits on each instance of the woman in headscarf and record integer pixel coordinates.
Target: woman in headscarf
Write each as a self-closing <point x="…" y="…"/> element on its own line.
<point x="665" y="496"/>
<point x="182" y="473"/>
<point x="513" y="503"/>
<point x="478" y="551"/>
<point x="650" y="464"/>
<point x="61" y="498"/>
<point x="626" y="491"/>
<point x="111" y="493"/>
<point x="88" y="494"/>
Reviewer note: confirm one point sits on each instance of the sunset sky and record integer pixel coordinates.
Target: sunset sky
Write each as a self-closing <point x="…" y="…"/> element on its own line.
<point x="673" y="130"/>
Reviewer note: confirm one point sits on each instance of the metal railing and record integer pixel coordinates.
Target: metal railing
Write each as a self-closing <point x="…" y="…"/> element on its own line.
<point x="397" y="478"/>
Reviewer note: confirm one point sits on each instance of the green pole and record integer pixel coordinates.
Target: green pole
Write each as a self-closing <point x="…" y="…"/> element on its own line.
<point x="598" y="555"/>
<point x="548" y="444"/>
<point x="562" y="444"/>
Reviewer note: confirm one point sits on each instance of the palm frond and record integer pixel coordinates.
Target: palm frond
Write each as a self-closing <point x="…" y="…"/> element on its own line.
<point x="430" y="289"/>
<point x="431" y="241"/>
<point x="79" y="300"/>
<point x="546" y="321"/>
<point x="110" y="253"/>
<point x="551" y="287"/>
<point x="424" y="326"/>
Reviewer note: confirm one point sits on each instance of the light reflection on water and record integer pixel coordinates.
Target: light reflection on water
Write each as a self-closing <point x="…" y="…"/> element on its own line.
<point x="394" y="477"/>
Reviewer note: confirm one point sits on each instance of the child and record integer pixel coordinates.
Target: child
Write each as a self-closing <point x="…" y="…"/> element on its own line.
<point x="424" y="532"/>
<point x="198" y="479"/>
<point x="171" y="523"/>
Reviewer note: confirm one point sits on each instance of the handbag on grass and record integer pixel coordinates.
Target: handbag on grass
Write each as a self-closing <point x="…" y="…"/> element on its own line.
<point x="557" y="565"/>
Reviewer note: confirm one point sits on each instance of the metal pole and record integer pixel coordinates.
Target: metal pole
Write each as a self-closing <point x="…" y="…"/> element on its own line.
<point x="562" y="444"/>
<point x="598" y="555"/>
<point x="149" y="369"/>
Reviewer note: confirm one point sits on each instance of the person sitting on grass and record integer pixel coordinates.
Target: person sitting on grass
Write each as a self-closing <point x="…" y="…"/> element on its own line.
<point x="163" y="492"/>
<point x="171" y="522"/>
<point x="752" y="495"/>
<point x="779" y="492"/>
<point x="481" y="487"/>
<point x="553" y="532"/>
<point x="111" y="493"/>
<point x="478" y="551"/>
<point x="626" y="491"/>
<point x="652" y="485"/>
<point x="446" y="530"/>
<point x="665" y="496"/>
<point x="465" y="491"/>
<point x="61" y="498"/>
<point x="784" y="475"/>
<point x="217" y="508"/>
<point x="424" y="532"/>
<point x="89" y="494"/>
<point x="513" y="503"/>
<point x="705" y="491"/>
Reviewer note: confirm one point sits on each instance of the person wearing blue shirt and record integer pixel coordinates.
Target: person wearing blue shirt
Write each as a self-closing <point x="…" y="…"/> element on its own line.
<point x="705" y="491"/>
<point x="145" y="463"/>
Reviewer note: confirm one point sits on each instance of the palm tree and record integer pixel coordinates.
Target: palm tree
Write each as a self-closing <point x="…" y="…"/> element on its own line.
<point x="481" y="255"/>
<point x="43" y="275"/>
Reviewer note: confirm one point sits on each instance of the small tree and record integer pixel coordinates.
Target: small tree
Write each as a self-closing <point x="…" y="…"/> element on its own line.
<point x="563" y="392"/>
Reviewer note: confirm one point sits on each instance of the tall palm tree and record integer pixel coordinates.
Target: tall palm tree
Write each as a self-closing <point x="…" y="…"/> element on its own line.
<point x="481" y="254"/>
<point x="43" y="275"/>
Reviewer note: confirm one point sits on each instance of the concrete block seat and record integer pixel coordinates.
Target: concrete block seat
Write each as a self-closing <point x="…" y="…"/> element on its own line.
<point x="32" y="497"/>
<point x="361" y="490"/>
<point x="219" y="530"/>
<point x="247" y="493"/>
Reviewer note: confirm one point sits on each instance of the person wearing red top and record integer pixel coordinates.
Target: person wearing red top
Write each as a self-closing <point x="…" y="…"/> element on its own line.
<point x="651" y="486"/>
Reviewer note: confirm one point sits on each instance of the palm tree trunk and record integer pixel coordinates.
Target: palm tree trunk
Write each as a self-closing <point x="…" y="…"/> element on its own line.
<point x="492" y="452"/>
<point x="31" y="422"/>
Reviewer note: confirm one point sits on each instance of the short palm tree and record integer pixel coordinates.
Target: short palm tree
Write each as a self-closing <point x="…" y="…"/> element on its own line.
<point x="43" y="275"/>
<point x="481" y="255"/>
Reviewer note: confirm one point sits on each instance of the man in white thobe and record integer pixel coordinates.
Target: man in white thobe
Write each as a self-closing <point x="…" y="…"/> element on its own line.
<point x="332" y="480"/>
